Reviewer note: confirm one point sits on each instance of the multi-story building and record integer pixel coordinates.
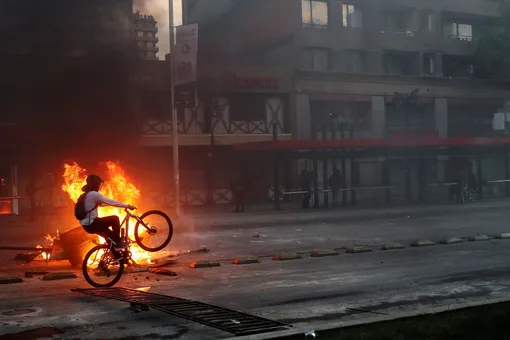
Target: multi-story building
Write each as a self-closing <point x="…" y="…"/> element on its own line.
<point x="145" y="29"/>
<point x="360" y="74"/>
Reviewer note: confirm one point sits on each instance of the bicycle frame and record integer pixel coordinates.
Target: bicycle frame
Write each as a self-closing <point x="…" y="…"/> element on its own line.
<point x="125" y="221"/>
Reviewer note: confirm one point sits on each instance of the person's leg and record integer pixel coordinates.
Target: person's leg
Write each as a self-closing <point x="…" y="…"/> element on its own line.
<point x="103" y="225"/>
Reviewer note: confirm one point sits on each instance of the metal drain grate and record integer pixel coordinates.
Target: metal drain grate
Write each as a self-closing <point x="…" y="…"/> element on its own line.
<point x="213" y="316"/>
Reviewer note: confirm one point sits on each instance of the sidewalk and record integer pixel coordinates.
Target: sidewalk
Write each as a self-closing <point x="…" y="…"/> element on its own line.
<point x="295" y="217"/>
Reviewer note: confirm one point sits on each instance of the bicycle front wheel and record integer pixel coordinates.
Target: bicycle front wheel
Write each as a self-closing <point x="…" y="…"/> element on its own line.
<point x="99" y="268"/>
<point x="153" y="230"/>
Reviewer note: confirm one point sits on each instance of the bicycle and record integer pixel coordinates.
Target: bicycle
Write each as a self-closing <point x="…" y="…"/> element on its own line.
<point x="106" y="266"/>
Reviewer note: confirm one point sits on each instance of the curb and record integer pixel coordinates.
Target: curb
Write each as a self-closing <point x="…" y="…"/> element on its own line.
<point x="10" y="279"/>
<point x="204" y="264"/>
<point x="422" y="243"/>
<point x="479" y="238"/>
<point x="320" y="327"/>
<point x="323" y="253"/>
<point x="245" y="260"/>
<point x="392" y="246"/>
<point x="452" y="240"/>
<point x="358" y="250"/>
<point x="286" y="257"/>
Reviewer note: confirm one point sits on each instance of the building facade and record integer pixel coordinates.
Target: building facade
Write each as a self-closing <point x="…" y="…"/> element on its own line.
<point x="363" y="70"/>
<point x="145" y="30"/>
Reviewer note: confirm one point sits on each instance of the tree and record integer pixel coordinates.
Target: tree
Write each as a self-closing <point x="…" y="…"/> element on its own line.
<point x="492" y="58"/>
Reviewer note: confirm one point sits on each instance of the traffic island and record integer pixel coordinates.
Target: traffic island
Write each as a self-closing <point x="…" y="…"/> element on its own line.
<point x="392" y="246"/>
<point x="204" y="264"/>
<point x="422" y="243"/>
<point x="245" y="260"/>
<point x="4" y="280"/>
<point x="479" y="238"/>
<point x="358" y="250"/>
<point x="323" y="253"/>
<point x="452" y="240"/>
<point x="286" y="257"/>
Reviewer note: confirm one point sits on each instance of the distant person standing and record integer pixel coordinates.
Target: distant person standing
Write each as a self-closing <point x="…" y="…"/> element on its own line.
<point x="335" y="184"/>
<point x="306" y="186"/>
<point x="239" y="191"/>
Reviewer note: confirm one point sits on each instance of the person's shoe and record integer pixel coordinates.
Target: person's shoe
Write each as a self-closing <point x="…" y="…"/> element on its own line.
<point x="121" y="245"/>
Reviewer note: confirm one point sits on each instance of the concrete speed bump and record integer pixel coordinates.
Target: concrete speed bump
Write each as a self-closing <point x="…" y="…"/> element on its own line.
<point x="358" y="250"/>
<point x="479" y="238"/>
<point x="422" y="243"/>
<point x="392" y="246"/>
<point x="59" y="276"/>
<point x="286" y="257"/>
<point x="323" y="253"/>
<point x="10" y="279"/>
<point x="503" y="236"/>
<point x="452" y="240"/>
<point x="245" y="260"/>
<point x="204" y="264"/>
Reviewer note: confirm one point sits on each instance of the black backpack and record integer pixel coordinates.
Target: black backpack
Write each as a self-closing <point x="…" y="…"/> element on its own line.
<point x="79" y="209"/>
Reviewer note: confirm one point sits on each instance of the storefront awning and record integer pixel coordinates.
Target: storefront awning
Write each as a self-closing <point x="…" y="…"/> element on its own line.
<point x="371" y="143"/>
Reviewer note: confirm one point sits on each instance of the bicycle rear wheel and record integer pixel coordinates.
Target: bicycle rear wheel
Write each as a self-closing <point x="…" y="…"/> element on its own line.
<point x="98" y="269"/>
<point x="155" y="231"/>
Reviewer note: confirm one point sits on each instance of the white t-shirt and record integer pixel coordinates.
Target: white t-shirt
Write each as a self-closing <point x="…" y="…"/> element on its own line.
<point x="95" y="199"/>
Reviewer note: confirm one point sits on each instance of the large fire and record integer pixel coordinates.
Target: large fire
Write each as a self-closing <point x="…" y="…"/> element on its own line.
<point x="117" y="186"/>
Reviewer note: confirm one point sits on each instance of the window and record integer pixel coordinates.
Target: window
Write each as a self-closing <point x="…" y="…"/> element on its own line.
<point x="314" y="13"/>
<point x="429" y="64"/>
<point x="352" y="16"/>
<point x="315" y="59"/>
<point x="140" y="33"/>
<point x="247" y="107"/>
<point x="355" y="61"/>
<point x="394" y="20"/>
<point x="458" y="31"/>
<point x="400" y="63"/>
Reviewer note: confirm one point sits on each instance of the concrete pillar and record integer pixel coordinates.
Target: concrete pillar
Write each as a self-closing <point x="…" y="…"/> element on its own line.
<point x="301" y="124"/>
<point x="378" y="117"/>
<point x="441" y="116"/>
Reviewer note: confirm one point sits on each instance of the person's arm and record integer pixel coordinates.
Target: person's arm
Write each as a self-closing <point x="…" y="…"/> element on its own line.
<point x="102" y="200"/>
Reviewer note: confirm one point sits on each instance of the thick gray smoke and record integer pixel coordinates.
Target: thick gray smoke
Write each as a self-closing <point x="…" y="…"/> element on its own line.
<point x="159" y="10"/>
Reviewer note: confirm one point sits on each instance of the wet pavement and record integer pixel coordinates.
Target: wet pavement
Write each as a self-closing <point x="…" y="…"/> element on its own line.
<point x="304" y="292"/>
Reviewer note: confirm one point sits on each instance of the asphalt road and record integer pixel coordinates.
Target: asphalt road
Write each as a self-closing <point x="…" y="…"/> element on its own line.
<point x="304" y="292"/>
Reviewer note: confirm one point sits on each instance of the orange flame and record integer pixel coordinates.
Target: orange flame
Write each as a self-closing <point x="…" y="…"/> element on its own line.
<point x="117" y="186"/>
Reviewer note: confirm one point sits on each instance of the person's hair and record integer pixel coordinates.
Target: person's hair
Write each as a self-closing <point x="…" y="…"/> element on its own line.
<point x="93" y="183"/>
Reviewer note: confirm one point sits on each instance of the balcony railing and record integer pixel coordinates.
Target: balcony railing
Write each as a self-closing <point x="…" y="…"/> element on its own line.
<point x="193" y="121"/>
<point x="406" y="32"/>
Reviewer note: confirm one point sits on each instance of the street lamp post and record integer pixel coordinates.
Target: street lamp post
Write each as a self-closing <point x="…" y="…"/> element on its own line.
<point x="175" y="131"/>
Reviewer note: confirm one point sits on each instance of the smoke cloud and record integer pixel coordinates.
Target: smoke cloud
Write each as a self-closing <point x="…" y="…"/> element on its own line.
<point x="159" y="10"/>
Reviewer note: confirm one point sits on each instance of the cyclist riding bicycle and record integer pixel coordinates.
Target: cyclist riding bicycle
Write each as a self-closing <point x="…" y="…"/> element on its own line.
<point x="86" y="213"/>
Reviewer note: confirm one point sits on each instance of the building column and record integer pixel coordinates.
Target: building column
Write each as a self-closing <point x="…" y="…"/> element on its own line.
<point x="441" y="116"/>
<point x="302" y="122"/>
<point x="378" y="117"/>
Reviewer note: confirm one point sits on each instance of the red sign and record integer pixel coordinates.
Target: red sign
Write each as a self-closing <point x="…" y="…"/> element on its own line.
<point x="234" y="81"/>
